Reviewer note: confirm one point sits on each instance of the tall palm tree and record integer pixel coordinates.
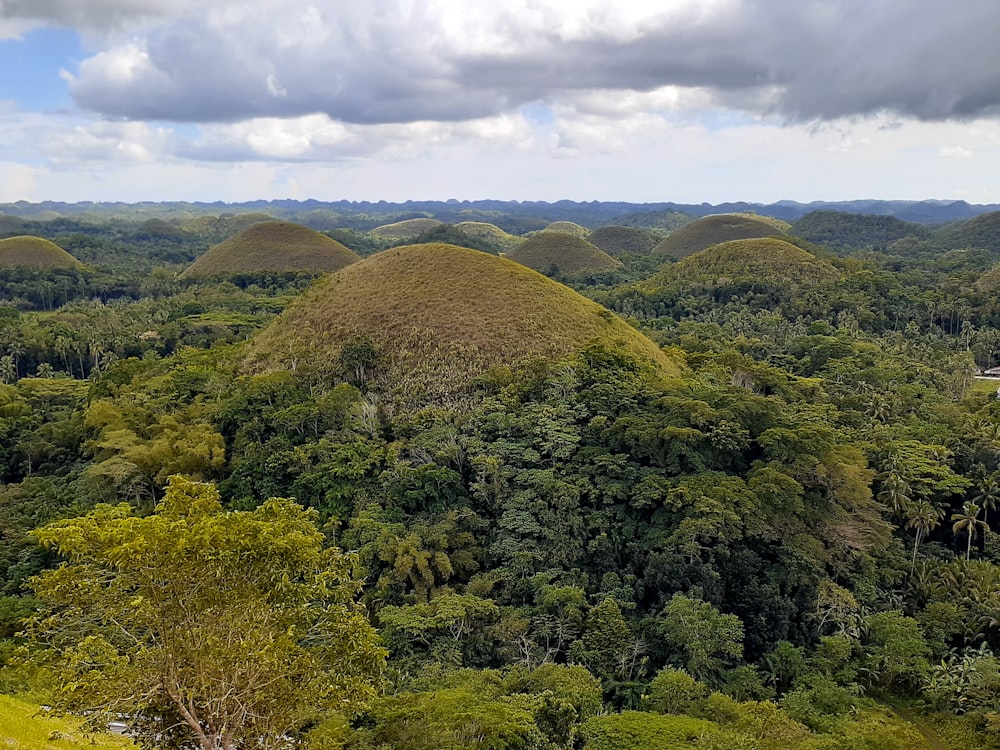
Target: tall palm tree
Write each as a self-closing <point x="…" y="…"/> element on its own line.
<point x="923" y="517"/>
<point x="968" y="521"/>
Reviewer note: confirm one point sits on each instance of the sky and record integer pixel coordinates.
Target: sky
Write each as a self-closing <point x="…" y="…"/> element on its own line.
<point x="633" y="100"/>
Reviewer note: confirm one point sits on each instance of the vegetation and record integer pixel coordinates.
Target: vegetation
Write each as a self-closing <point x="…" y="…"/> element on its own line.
<point x="839" y="230"/>
<point x="568" y="227"/>
<point x="402" y="230"/>
<point x="491" y="233"/>
<point x="273" y="246"/>
<point x="562" y="255"/>
<point x="27" y="726"/>
<point x="233" y="628"/>
<point x="775" y="528"/>
<point x="438" y="317"/>
<point x="34" y="252"/>
<point x="766" y="261"/>
<point x="711" y="230"/>
<point x="617" y="241"/>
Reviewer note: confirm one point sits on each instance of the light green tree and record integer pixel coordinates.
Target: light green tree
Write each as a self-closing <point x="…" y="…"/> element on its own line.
<point x="223" y="629"/>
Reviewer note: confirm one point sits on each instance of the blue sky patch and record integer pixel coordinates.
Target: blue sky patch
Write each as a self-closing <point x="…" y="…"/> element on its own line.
<point x="31" y="67"/>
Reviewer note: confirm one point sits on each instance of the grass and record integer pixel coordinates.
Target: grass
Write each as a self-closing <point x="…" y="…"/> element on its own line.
<point x="402" y="230"/>
<point x="711" y="230"/>
<point x="764" y="259"/>
<point x="160" y="229"/>
<point x="273" y="246"/>
<point x="490" y="233"/>
<point x="982" y="232"/>
<point x="223" y="226"/>
<point x="25" y="726"/>
<point x="441" y="316"/>
<point x="36" y="252"/>
<point x="568" y="227"/>
<point x="622" y="240"/>
<point x="560" y="254"/>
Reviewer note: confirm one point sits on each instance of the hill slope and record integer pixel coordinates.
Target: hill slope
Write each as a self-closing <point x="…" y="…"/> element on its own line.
<point x="766" y="259"/>
<point x="842" y="230"/>
<point x="711" y="230"/>
<point x="401" y="230"/>
<point x="981" y="232"/>
<point x="272" y="246"/>
<point x="439" y="316"/>
<point x="568" y="227"/>
<point x="621" y="240"/>
<point x="560" y="254"/>
<point x="35" y="252"/>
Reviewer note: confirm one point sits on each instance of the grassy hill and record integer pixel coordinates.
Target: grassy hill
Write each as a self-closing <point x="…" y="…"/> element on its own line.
<point x="764" y="259"/>
<point x="622" y="240"/>
<point x="273" y="246"/>
<point x="401" y="230"/>
<point x="23" y="726"/>
<point x="568" y="227"/>
<point x="35" y="252"/>
<point x="711" y="230"/>
<point x="837" y="229"/>
<point x="439" y="316"/>
<point x="563" y="255"/>
<point x="664" y="219"/>
<point x="490" y="233"/>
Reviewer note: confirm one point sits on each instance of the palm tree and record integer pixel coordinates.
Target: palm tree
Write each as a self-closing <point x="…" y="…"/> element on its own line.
<point x="923" y="517"/>
<point x="968" y="521"/>
<point x="988" y="496"/>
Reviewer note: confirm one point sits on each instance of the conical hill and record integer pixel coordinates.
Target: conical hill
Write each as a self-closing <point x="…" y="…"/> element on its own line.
<point x="711" y="230"/>
<point x="563" y="255"/>
<point x="34" y="252"/>
<point x="568" y="227"/>
<point x="272" y="246"/>
<point x="621" y="240"/>
<point x="406" y="229"/>
<point x="434" y="317"/>
<point x="767" y="259"/>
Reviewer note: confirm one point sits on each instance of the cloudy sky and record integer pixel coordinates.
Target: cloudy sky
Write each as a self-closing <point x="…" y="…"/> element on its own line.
<point x="637" y="100"/>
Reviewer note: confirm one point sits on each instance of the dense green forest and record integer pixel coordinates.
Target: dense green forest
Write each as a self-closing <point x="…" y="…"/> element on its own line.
<point x="776" y="526"/>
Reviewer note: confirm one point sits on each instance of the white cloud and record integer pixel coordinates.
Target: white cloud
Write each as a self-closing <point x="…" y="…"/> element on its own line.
<point x="955" y="152"/>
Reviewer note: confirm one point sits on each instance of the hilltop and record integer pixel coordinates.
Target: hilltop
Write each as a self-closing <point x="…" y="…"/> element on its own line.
<point x="490" y="233"/>
<point x="159" y="229"/>
<point x="434" y="318"/>
<point x="35" y="252"/>
<point x="622" y="240"/>
<point x="401" y="230"/>
<point x="218" y="227"/>
<point x="273" y="246"/>
<point x="711" y="230"/>
<point x="565" y="255"/>
<point x="767" y="260"/>
<point x="568" y="227"/>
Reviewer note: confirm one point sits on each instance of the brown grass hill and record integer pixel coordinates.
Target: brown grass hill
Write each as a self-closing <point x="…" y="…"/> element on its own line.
<point x="562" y="255"/>
<point x="420" y="324"/>
<point x="763" y="259"/>
<point x="273" y="246"/>
<point x="711" y="230"/>
<point x="491" y="234"/>
<point x="34" y="252"/>
<point x="568" y="227"/>
<point x="402" y="230"/>
<point x="617" y="241"/>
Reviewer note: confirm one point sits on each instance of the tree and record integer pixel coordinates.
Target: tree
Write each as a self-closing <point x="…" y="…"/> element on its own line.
<point x="923" y="517"/>
<point x="708" y="638"/>
<point x="968" y="521"/>
<point x="238" y="625"/>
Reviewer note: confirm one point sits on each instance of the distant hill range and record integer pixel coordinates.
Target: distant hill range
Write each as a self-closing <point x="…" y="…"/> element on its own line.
<point x="516" y="217"/>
